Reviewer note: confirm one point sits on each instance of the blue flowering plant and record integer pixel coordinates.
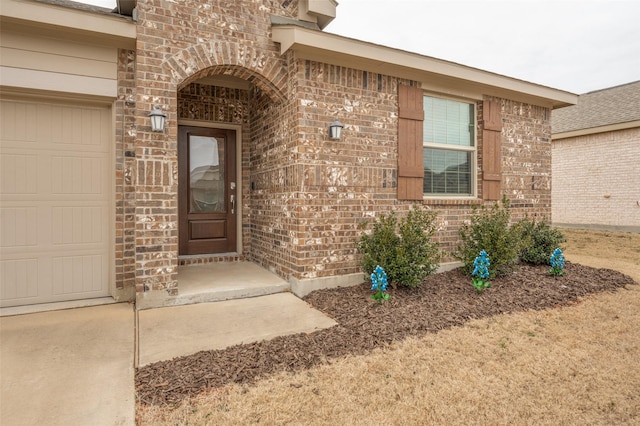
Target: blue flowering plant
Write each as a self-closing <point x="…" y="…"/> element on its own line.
<point x="379" y="284"/>
<point x="481" y="272"/>
<point x="557" y="263"/>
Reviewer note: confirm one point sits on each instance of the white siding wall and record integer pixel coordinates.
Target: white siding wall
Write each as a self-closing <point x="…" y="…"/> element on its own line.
<point x="38" y="62"/>
<point x="596" y="180"/>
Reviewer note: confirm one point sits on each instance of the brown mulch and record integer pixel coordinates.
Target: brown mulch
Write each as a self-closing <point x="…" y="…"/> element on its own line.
<point x="443" y="301"/>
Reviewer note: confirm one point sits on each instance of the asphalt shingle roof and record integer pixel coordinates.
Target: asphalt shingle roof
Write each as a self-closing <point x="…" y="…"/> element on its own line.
<point x="619" y="104"/>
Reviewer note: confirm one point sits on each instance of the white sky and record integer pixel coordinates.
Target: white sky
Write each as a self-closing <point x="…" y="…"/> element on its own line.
<point x="573" y="45"/>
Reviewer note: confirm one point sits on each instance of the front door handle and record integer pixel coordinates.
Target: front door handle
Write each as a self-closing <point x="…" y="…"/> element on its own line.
<point x="233" y="204"/>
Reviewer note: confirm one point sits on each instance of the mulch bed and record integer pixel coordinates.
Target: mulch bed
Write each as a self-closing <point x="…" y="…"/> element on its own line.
<point x="443" y="301"/>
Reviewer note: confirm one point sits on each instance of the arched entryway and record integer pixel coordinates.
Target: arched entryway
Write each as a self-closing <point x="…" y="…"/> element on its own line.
<point x="213" y="116"/>
<point x="241" y="96"/>
<point x="225" y="126"/>
<point x="214" y="165"/>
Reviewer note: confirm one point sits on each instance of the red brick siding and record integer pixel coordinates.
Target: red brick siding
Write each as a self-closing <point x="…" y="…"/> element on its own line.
<point x="273" y="180"/>
<point x="526" y="159"/>
<point x="178" y="44"/>
<point x="304" y="195"/>
<point x="125" y="137"/>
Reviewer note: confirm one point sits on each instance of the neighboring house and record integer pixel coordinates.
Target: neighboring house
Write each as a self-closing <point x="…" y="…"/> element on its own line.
<point x="95" y="203"/>
<point x="596" y="151"/>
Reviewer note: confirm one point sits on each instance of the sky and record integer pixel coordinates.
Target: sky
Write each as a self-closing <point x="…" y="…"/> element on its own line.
<point x="574" y="45"/>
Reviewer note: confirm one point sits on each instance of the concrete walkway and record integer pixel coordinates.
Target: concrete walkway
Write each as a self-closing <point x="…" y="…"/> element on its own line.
<point x="166" y="333"/>
<point x="76" y="366"/>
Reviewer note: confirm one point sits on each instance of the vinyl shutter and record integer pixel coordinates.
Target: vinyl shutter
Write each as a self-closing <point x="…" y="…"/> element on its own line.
<point x="491" y="151"/>
<point x="410" y="154"/>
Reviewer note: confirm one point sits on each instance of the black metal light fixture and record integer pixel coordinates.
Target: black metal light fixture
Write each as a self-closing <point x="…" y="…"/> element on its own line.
<point x="158" y="119"/>
<point x="335" y="130"/>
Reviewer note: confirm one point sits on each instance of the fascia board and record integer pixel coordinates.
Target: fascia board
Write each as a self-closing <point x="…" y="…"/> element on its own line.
<point x="594" y="130"/>
<point x="349" y="52"/>
<point x="113" y="29"/>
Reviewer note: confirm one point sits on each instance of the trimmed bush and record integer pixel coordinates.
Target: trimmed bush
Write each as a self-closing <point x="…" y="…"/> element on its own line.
<point x="537" y="241"/>
<point x="489" y="230"/>
<point x="403" y="248"/>
<point x="379" y="247"/>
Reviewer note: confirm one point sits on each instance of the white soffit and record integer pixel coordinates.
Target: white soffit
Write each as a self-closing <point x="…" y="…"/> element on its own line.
<point x="435" y="74"/>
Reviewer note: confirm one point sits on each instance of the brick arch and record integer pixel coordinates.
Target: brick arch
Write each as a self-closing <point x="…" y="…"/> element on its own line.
<point x="262" y="68"/>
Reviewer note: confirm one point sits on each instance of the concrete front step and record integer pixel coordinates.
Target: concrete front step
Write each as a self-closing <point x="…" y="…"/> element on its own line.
<point x="214" y="282"/>
<point x="220" y="304"/>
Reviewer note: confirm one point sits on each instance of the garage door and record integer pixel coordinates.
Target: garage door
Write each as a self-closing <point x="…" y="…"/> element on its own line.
<point x="55" y="195"/>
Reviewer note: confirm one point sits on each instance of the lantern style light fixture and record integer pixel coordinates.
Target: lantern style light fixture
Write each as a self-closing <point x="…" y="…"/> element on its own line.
<point x="335" y="130"/>
<point x="158" y="119"/>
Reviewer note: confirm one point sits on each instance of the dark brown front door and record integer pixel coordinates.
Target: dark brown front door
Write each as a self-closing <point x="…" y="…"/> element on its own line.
<point x="207" y="190"/>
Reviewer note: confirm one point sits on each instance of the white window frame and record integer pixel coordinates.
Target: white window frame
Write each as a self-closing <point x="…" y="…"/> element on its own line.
<point x="473" y="149"/>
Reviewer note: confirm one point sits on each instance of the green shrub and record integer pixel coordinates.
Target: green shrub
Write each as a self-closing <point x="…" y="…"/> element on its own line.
<point x="489" y="230"/>
<point x="537" y="241"/>
<point x="379" y="247"/>
<point x="404" y="249"/>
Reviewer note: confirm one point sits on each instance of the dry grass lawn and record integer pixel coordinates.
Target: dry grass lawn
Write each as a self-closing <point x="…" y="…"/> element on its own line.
<point x="571" y="365"/>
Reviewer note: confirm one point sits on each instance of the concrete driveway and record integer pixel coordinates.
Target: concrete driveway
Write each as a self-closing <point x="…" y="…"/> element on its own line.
<point x="69" y="367"/>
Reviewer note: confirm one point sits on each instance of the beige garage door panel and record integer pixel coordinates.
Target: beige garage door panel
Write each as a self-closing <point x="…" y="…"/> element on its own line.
<point x="55" y="197"/>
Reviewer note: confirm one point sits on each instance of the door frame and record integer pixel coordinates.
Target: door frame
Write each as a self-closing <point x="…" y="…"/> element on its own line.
<point x="239" y="193"/>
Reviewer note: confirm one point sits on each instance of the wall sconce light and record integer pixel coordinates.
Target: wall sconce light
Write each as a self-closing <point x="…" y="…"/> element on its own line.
<point x="335" y="130"/>
<point x="158" y="119"/>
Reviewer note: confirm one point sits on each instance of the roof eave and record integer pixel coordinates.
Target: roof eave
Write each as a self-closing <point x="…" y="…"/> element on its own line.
<point x="593" y="130"/>
<point x="434" y="74"/>
<point x="108" y="29"/>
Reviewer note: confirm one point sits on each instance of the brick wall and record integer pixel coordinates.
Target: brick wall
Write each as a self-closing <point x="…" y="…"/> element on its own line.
<point x="526" y="159"/>
<point x="273" y="179"/>
<point x="125" y="136"/>
<point x="305" y="196"/>
<point x="596" y="180"/>
<point x="179" y="43"/>
<point x="348" y="182"/>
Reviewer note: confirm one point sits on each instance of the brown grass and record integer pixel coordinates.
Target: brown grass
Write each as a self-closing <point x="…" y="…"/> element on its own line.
<point x="572" y="365"/>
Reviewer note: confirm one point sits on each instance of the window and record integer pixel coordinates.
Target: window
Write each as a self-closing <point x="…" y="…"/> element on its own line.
<point x="449" y="147"/>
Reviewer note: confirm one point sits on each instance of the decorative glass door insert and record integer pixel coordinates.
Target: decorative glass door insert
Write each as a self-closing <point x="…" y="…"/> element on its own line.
<point x="206" y="190"/>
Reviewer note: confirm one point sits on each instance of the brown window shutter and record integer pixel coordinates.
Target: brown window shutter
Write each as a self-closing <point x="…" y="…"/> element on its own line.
<point x="410" y="164"/>
<point x="491" y="151"/>
<point x="491" y="116"/>
<point x="491" y="165"/>
<point x="410" y="188"/>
